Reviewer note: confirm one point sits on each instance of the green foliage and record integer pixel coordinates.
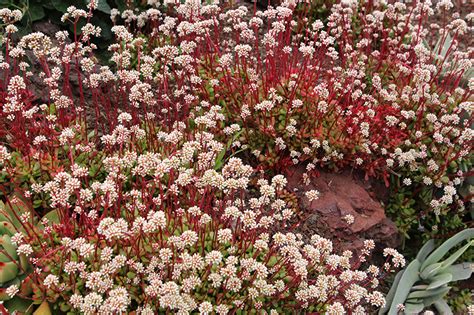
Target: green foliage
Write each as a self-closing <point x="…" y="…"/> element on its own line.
<point x="458" y="299"/>
<point x="14" y="268"/>
<point x="425" y="281"/>
<point x="416" y="225"/>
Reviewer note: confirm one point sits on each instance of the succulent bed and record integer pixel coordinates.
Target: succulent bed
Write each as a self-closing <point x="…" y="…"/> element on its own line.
<point x="151" y="175"/>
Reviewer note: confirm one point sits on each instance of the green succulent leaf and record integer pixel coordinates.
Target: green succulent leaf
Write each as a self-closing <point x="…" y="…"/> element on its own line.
<point x="460" y="271"/>
<point x="4" y="258"/>
<point x="413" y="308"/>
<point x="440" y="280"/>
<point x="408" y="279"/>
<point x="431" y="271"/>
<point x="425" y="250"/>
<point x="11" y="212"/>
<point x="8" y="248"/>
<point x="18" y="304"/>
<point x="8" y="271"/>
<point x="448" y="262"/>
<point x="6" y="228"/>
<point x="443" y="307"/>
<point x="391" y="293"/>
<point x="52" y="216"/>
<point x="428" y="301"/>
<point x="414" y="300"/>
<point x="419" y="287"/>
<point x="428" y="293"/>
<point x="43" y="309"/>
<point x="446" y="247"/>
<point x="26" y="286"/>
<point x="24" y="262"/>
<point x="443" y="50"/>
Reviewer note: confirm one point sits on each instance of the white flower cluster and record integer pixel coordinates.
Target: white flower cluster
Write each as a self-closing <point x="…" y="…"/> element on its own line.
<point x="172" y="227"/>
<point x="159" y="209"/>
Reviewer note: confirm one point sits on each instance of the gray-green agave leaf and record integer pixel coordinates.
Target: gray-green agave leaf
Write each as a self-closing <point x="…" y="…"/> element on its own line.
<point x="425" y="280"/>
<point x="425" y="250"/>
<point x="408" y="279"/>
<point x="431" y="270"/>
<point x="448" y="262"/>
<point x="460" y="271"/>
<point x="447" y="246"/>
<point x="391" y="293"/>
<point x="443" y="307"/>
<point x="428" y="293"/>
<point x="439" y="280"/>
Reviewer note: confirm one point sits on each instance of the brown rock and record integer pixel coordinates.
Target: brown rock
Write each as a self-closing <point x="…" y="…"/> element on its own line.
<point x="340" y="195"/>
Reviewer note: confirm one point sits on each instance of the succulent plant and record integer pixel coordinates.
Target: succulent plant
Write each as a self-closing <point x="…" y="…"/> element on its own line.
<point x="14" y="268"/>
<point x="424" y="282"/>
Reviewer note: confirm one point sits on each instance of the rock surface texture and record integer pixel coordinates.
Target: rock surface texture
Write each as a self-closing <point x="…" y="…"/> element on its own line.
<point x="340" y="195"/>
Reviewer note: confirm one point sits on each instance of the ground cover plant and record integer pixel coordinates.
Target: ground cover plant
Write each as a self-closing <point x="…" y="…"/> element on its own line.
<point x="366" y="95"/>
<point x="156" y="182"/>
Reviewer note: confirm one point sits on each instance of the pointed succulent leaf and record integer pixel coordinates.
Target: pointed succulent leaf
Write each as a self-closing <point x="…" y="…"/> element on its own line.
<point x="26" y="287"/>
<point x="391" y="293"/>
<point x="452" y="259"/>
<point x="428" y="301"/>
<point x="430" y="271"/>
<point x="428" y="293"/>
<point x="425" y="250"/>
<point x="460" y="271"/>
<point x="442" y="51"/>
<point x="469" y="73"/>
<point x="8" y="249"/>
<point x="447" y="246"/>
<point x="419" y="287"/>
<point x="12" y="211"/>
<point x="3" y="294"/>
<point x="43" y="309"/>
<point x="52" y="216"/>
<point x="7" y="228"/>
<point x="25" y="265"/>
<point x="4" y="258"/>
<point x="3" y="216"/>
<point x="8" y="271"/>
<point x="414" y="300"/>
<point x="443" y="307"/>
<point x="18" y="304"/>
<point x="440" y="280"/>
<point x="408" y="279"/>
<point x="437" y="46"/>
<point x="414" y="308"/>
